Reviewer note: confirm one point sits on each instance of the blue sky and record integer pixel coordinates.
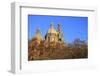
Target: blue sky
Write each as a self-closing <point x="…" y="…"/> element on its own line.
<point x="72" y="26"/>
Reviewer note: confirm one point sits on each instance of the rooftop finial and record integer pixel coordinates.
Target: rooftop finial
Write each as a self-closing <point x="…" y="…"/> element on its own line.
<point x="52" y="25"/>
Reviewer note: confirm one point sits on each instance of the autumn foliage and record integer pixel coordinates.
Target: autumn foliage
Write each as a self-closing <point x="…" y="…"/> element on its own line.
<point x="57" y="50"/>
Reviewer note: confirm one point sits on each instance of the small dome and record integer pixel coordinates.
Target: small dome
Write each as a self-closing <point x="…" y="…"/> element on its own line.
<point x="38" y="35"/>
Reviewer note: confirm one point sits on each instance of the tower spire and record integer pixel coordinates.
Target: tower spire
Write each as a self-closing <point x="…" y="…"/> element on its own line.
<point x="38" y="31"/>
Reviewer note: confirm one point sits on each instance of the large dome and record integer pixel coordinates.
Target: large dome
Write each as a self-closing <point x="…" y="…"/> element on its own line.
<point x="52" y="30"/>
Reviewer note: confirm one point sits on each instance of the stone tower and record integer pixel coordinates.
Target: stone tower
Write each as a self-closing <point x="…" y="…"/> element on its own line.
<point x="60" y="34"/>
